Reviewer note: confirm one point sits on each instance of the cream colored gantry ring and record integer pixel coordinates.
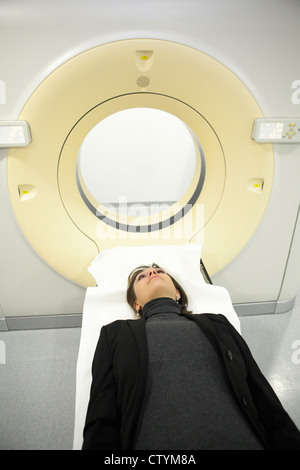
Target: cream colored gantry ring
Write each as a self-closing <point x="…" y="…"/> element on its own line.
<point x="140" y="73"/>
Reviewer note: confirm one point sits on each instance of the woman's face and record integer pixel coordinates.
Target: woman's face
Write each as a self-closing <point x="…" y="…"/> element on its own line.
<point x="151" y="284"/>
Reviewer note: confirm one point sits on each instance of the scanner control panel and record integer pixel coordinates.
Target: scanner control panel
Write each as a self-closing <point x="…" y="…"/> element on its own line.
<point x="276" y="130"/>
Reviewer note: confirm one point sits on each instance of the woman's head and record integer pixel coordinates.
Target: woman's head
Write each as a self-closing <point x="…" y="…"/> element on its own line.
<point x="146" y="283"/>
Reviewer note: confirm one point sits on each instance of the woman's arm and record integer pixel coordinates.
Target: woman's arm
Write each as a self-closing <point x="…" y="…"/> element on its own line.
<point x="281" y="431"/>
<point x="102" y="427"/>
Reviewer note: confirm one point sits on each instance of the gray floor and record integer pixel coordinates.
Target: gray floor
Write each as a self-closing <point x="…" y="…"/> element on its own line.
<point x="37" y="377"/>
<point x="38" y="389"/>
<point x="275" y="344"/>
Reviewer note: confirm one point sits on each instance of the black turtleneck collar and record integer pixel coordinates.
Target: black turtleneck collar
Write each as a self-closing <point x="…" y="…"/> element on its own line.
<point x="160" y="305"/>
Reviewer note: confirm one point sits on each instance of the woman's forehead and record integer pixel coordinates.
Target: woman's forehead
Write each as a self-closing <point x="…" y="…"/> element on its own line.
<point x="135" y="272"/>
<point x="141" y="269"/>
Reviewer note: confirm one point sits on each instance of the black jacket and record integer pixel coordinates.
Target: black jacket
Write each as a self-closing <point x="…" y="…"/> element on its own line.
<point x="119" y="377"/>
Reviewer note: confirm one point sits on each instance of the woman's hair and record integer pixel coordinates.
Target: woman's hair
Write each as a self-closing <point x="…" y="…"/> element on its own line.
<point x="131" y="298"/>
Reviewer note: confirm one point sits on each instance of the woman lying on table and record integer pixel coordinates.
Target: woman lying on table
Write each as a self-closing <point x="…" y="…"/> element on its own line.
<point x="176" y="380"/>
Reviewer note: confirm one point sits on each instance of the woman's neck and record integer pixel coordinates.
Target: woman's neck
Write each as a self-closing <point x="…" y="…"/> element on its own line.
<point x="160" y="305"/>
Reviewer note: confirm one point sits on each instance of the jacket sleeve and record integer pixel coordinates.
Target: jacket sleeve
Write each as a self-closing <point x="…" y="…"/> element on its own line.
<point x="102" y="426"/>
<point x="281" y="431"/>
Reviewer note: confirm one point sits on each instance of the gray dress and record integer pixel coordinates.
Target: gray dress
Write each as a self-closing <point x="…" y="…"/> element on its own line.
<point x="188" y="403"/>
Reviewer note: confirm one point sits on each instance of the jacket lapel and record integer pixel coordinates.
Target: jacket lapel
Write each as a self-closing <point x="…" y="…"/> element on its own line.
<point x="235" y="368"/>
<point x="207" y="328"/>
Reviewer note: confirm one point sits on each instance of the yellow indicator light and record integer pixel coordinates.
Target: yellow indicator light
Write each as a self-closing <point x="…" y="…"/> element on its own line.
<point x="144" y="57"/>
<point x="26" y="192"/>
<point x="256" y="185"/>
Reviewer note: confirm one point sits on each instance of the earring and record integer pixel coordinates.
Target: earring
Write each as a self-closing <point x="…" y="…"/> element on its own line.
<point x="177" y="299"/>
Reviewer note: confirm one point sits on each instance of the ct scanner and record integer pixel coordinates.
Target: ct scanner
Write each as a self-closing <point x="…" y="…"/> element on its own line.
<point x="242" y="202"/>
